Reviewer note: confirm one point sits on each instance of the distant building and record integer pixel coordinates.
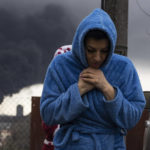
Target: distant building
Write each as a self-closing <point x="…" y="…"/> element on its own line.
<point x="19" y="112"/>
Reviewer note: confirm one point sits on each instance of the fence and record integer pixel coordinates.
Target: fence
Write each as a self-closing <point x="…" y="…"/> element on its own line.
<point x="15" y="124"/>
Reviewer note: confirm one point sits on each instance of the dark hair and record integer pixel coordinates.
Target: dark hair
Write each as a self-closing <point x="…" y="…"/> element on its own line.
<point x="96" y="34"/>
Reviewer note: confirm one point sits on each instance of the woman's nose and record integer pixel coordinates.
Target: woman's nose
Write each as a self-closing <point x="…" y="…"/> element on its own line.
<point x="98" y="56"/>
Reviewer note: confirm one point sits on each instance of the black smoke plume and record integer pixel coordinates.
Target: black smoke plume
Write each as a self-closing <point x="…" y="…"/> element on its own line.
<point x="27" y="46"/>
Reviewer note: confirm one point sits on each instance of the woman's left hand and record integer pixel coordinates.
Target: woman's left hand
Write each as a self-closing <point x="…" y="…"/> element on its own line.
<point x="95" y="77"/>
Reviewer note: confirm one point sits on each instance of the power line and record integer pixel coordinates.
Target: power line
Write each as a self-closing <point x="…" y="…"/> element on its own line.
<point x="146" y="13"/>
<point x="142" y="9"/>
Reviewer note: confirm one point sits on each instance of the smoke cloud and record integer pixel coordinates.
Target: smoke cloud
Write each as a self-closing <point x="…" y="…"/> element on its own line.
<point x="28" y="44"/>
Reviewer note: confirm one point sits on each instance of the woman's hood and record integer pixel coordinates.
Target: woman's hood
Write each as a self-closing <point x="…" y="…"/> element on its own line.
<point x="98" y="19"/>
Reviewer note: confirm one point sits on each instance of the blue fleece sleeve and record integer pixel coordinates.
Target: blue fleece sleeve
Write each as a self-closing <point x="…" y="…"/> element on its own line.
<point x="57" y="107"/>
<point x="127" y="107"/>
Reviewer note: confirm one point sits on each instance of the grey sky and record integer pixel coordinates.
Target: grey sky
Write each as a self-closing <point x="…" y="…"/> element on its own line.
<point x="139" y="39"/>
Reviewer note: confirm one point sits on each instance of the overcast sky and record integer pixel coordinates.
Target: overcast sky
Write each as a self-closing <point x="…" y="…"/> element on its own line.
<point x="139" y="39"/>
<point x="138" y="29"/>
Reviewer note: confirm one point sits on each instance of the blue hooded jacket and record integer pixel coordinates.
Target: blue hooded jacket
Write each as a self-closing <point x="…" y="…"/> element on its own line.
<point x="91" y="122"/>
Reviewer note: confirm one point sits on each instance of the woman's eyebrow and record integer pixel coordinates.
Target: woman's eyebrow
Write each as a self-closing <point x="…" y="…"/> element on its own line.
<point x="106" y="48"/>
<point x="91" y="47"/>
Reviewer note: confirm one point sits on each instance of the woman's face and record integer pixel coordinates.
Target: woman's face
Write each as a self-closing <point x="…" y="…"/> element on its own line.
<point x="96" y="51"/>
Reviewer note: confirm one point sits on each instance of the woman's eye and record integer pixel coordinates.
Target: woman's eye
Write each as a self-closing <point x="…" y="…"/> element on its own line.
<point x="104" y="51"/>
<point x="93" y="51"/>
<point x="90" y="51"/>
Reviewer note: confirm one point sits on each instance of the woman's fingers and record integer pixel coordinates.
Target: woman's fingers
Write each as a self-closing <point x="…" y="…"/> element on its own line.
<point x="87" y="75"/>
<point x="89" y="70"/>
<point x="89" y="80"/>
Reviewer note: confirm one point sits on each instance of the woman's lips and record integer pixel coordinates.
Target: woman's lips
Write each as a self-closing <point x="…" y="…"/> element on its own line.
<point x="95" y="65"/>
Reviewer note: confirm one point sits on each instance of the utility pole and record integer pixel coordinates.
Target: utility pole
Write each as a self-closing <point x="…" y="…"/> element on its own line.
<point x="118" y="10"/>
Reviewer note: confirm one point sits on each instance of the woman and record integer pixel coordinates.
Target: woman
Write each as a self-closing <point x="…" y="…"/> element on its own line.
<point x="94" y="94"/>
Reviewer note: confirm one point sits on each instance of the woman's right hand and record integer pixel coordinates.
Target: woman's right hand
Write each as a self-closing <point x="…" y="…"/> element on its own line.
<point x="84" y="87"/>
